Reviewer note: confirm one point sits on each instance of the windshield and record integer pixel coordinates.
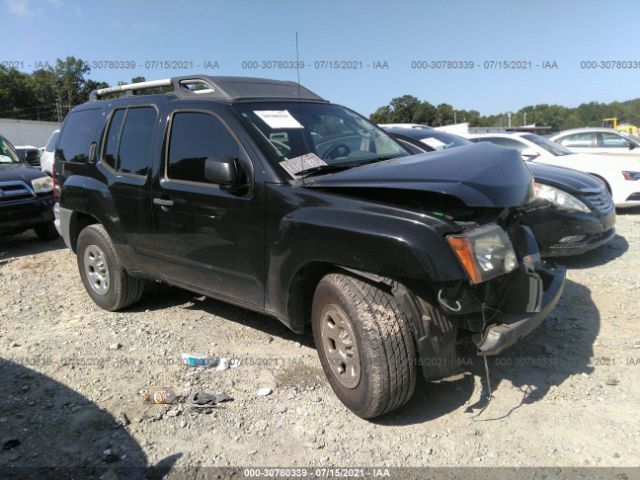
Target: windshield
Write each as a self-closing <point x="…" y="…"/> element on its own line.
<point x="442" y="141"/>
<point x="317" y="134"/>
<point x="551" y="147"/>
<point x="7" y="153"/>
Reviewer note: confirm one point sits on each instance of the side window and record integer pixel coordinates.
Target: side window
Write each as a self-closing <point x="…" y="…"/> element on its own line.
<point x="129" y="140"/>
<point x="610" y="140"/>
<point x="193" y="138"/>
<point x="77" y="135"/>
<point x="110" y="153"/>
<point x="578" y="140"/>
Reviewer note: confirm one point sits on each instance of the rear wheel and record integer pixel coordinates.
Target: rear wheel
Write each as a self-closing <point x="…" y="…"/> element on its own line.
<point x="104" y="278"/>
<point x="364" y="343"/>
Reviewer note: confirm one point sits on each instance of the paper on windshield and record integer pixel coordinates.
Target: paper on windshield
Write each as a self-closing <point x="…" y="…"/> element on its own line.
<point x="303" y="162"/>
<point x="278" y="118"/>
<point x="433" y="143"/>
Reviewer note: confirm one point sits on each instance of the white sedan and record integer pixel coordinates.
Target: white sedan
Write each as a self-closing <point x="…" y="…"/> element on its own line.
<point x="620" y="174"/>
<point x="599" y="140"/>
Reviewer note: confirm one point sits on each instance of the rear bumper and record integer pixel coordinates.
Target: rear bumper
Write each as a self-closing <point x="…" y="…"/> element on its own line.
<point x="508" y="329"/>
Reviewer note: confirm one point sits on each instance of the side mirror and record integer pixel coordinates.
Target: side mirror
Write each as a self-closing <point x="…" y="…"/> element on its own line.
<point x="632" y="145"/>
<point x="222" y="170"/>
<point x="529" y="154"/>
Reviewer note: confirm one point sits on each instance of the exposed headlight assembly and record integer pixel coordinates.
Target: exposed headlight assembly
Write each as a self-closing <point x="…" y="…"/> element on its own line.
<point x="559" y="198"/>
<point x="42" y="185"/>
<point x="485" y="252"/>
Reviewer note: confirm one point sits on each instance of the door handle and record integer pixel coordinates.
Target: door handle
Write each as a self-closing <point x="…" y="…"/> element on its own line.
<point x="163" y="202"/>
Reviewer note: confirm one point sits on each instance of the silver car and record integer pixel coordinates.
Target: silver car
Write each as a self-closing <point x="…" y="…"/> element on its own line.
<point x="599" y="140"/>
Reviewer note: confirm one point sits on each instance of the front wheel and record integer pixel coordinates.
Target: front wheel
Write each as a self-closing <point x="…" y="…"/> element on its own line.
<point x="364" y="343"/>
<point x="104" y="278"/>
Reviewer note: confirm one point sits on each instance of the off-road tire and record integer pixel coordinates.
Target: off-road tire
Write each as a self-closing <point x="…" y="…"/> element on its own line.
<point x="46" y="231"/>
<point x="124" y="290"/>
<point x="384" y="342"/>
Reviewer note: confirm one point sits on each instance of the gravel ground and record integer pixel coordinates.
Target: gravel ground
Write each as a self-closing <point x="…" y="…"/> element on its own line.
<point x="566" y="396"/>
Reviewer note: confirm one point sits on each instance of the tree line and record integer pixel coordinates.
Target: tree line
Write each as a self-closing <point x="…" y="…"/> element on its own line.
<point x="409" y="109"/>
<point x="50" y="92"/>
<point x="47" y="93"/>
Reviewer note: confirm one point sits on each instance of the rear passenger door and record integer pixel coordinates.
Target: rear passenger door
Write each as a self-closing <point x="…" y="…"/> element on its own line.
<point x="210" y="237"/>
<point x="125" y="160"/>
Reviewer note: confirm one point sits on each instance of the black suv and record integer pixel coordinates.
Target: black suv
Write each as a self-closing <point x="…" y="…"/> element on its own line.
<point x="26" y="198"/>
<point x="260" y="193"/>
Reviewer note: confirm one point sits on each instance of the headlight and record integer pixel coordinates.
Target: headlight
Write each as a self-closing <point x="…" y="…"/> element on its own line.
<point x="42" y="185"/>
<point x="559" y="198"/>
<point x="484" y="253"/>
<point x="631" y="175"/>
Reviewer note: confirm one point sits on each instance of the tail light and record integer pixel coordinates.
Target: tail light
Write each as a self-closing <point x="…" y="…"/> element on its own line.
<point x="56" y="187"/>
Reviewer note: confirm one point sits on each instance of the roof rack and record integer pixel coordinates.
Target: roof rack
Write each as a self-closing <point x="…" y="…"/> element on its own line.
<point x="224" y="88"/>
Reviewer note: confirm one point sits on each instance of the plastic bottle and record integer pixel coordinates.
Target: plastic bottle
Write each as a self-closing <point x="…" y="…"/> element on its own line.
<point x="162" y="396"/>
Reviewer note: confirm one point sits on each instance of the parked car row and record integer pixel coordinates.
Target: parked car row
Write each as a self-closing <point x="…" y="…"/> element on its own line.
<point x="578" y="213"/>
<point x="393" y="248"/>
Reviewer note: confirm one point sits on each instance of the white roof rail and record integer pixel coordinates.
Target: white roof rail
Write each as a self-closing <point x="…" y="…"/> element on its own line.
<point x="165" y="82"/>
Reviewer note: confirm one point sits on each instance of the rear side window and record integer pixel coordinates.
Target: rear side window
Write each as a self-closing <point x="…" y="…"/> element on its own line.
<point x="578" y="140"/>
<point x="77" y="136"/>
<point x="129" y="140"/>
<point x="194" y="137"/>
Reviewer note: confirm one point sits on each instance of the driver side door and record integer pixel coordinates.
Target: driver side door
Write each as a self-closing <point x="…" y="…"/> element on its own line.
<point x="209" y="236"/>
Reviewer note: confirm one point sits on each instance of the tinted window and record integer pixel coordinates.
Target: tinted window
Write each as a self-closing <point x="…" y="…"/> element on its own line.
<point x="113" y="138"/>
<point x="129" y="140"/>
<point x="610" y="140"/>
<point x="503" y="142"/>
<point x="194" y="137"/>
<point x="578" y="140"/>
<point x="77" y="136"/>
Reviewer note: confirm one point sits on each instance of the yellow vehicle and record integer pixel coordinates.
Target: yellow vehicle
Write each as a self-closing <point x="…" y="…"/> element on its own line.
<point x="623" y="127"/>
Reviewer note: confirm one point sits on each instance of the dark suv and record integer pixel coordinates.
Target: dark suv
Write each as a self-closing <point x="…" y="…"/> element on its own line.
<point x="26" y="198"/>
<point x="260" y="193"/>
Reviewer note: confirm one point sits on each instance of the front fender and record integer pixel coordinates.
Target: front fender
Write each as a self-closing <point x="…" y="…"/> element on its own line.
<point x="386" y="241"/>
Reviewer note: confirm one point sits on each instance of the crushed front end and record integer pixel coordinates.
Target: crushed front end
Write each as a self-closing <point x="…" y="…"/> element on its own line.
<point x="508" y="292"/>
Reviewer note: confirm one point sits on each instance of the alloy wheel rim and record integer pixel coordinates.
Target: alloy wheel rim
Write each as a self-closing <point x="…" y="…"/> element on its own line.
<point x="340" y="346"/>
<point x="97" y="270"/>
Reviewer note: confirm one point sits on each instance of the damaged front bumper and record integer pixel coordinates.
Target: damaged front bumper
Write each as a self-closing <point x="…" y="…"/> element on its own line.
<point x="507" y="328"/>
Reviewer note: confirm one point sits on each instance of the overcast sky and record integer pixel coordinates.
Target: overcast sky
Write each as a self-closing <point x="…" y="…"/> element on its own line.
<point x="368" y="31"/>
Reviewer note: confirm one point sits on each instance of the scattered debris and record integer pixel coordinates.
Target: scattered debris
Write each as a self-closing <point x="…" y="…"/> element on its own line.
<point x="611" y="381"/>
<point x="264" y="391"/>
<point x="163" y="396"/>
<point x="195" y="359"/>
<point x="207" y="400"/>
<point x="115" y="346"/>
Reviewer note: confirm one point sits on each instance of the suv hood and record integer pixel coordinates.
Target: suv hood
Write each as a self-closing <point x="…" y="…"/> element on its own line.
<point x="11" y="172"/>
<point x="566" y="179"/>
<point x="480" y="175"/>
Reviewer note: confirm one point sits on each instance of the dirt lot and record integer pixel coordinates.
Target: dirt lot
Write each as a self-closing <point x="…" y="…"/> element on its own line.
<point x="566" y="396"/>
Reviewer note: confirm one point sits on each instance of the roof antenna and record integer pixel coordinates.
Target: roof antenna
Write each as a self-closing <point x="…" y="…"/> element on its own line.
<point x="298" y="65"/>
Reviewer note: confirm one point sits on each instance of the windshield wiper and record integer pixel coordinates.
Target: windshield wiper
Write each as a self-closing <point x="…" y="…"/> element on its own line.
<point x="337" y="167"/>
